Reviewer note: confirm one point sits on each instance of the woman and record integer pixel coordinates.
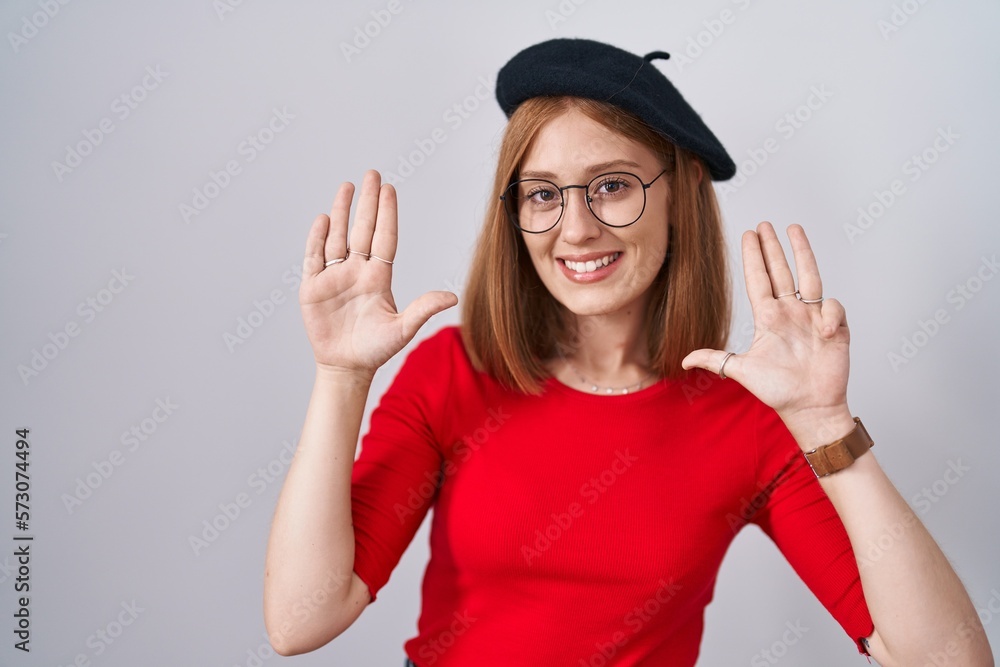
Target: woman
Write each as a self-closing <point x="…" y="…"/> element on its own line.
<point x="589" y="450"/>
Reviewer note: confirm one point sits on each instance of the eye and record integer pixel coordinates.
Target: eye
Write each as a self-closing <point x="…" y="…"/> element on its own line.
<point x="613" y="185"/>
<point x="542" y="195"/>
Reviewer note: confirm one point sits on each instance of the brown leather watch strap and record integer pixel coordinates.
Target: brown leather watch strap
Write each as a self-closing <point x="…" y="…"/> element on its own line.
<point x="835" y="456"/>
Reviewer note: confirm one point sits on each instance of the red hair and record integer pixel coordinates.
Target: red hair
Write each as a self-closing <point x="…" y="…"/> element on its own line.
<point x="511" y="323"/>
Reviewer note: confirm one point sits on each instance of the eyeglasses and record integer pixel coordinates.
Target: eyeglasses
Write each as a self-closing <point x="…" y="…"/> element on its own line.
<point x="617" y="199"/>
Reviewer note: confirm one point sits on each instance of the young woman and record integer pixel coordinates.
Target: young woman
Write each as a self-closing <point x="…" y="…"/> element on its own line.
<point x="588" y="447"/>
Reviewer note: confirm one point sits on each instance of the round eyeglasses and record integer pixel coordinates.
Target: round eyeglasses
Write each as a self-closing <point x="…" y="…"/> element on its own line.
<point x="617" y="199"/>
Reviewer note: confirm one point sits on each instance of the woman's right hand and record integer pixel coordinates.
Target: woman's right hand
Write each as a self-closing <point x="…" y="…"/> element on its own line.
<point x="348" y="309"/>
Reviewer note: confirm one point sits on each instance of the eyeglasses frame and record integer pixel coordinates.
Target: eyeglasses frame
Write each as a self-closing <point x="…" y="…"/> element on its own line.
<point x="586" y="195"/>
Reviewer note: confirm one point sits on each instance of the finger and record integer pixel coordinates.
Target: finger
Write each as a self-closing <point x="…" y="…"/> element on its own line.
<point x="313" y="261"/>
<point x="754" y="271"/>
<point x="340" y="213"/>
<point x="386" y="232"/>
<point x="425" y="307"/>
<point x="806" y="269"/>
<point x="711" y="360"/>
<point x="364" y="217"/>
<point x="778" y="270"/>
<point x="834" y="317"/>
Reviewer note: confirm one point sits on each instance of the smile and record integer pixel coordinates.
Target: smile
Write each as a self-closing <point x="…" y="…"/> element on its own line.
<point x="593" y="265"/>
<point x="591" y="270"/>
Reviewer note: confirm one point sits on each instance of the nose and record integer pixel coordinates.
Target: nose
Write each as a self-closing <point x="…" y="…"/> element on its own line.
<point x="578" y="222"/>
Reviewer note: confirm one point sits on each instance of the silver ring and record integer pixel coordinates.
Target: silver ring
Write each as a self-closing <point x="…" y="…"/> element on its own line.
<point x="380" y="259"/>
<point x="357" y="252"/>
<point x="335" y="261"/>
<point x="819" y="300"/>
<point x="722" y="367"/>
<point x="796" y="293"/>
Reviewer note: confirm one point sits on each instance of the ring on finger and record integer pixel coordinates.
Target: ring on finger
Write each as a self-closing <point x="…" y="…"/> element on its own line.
<point x="819" y="300"/>
<point x="795" y="293"/>
<point x="380" y="259"/>
<point x="335" y="261"/>
<point x="722" y="366"/>
<point x="358" y="252"/>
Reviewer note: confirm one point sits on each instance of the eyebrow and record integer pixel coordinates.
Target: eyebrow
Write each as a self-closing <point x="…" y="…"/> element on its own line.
<point x="594" y="168"/>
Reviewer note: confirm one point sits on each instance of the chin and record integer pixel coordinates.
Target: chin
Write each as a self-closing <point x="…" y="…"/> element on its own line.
<point x="594" y="304"/>
<point x="603" y="298"/>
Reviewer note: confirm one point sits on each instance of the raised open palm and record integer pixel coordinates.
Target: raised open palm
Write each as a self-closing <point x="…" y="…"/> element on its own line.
<point x="349" y="313"/>
<point x="798" y="361"/>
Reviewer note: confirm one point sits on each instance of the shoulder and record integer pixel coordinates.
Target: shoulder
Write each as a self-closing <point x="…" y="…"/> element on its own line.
<point x="443" y="343"/>
<point x="438" y="354"/>
<point x="726" y="406"/>
<point x="706" y="391"/>
<point x="747" y="422"/>
<point x="422" y="378"/>
<point x="739" y="421"/>
<point x="434" y="378"/>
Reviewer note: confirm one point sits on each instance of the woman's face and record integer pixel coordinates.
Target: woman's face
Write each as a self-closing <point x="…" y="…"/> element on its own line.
<point x="571" y="150"/>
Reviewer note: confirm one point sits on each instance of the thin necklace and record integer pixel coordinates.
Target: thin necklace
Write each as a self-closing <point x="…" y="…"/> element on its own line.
<point x="605" y="390"/>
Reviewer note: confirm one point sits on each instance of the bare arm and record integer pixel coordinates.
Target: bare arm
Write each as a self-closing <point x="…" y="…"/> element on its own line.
<point x="798" y="364"/>
<point x="921" y="610"/>
<point x="311" y="593"/>
<point x="919" y="606"/>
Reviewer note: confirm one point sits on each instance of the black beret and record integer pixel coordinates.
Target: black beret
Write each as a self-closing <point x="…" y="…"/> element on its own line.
<point x="598" y="71"/>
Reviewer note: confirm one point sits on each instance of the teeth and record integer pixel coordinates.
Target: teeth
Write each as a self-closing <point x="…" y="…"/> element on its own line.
<point x="592" y="265"/>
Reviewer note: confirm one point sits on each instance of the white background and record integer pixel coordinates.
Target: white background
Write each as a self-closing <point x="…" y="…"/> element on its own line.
<point x="223" y="73"/>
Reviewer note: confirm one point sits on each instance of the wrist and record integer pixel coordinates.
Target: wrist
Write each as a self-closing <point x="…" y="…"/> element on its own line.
<point x="349" y="376"/>
<point x="816" y="427"/>
<point x="841" y="453"/>
<point x="861" y="469"/>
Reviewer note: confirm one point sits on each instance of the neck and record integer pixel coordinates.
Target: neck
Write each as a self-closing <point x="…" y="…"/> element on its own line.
<point x="609" y="349"/>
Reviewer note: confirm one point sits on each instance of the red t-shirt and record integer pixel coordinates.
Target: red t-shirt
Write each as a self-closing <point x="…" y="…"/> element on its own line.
<point x="580" y="529"/>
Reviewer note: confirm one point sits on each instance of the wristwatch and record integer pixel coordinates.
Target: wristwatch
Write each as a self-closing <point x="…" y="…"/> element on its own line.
<point x="835" y="456"/>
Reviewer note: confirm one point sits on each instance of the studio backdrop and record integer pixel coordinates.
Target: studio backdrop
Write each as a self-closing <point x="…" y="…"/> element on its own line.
<point x="162" y="163"/>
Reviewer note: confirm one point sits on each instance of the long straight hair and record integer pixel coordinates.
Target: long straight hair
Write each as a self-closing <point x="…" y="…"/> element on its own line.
<point x="511" y="323"/>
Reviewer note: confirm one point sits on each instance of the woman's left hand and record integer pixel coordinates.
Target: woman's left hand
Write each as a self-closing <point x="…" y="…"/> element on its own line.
<point x="799" y="360"/>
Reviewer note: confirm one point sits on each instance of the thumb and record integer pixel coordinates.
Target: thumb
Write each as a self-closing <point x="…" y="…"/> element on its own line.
<point x="708" y="359"/>
<point x="424" y="308"/>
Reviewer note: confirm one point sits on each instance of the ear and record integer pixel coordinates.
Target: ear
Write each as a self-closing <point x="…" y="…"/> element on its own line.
<point x="697" y="166"/>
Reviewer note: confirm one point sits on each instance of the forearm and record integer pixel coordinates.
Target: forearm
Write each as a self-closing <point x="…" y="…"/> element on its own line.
<point x="918" y="604"/>
<point x="311" y="545"/>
